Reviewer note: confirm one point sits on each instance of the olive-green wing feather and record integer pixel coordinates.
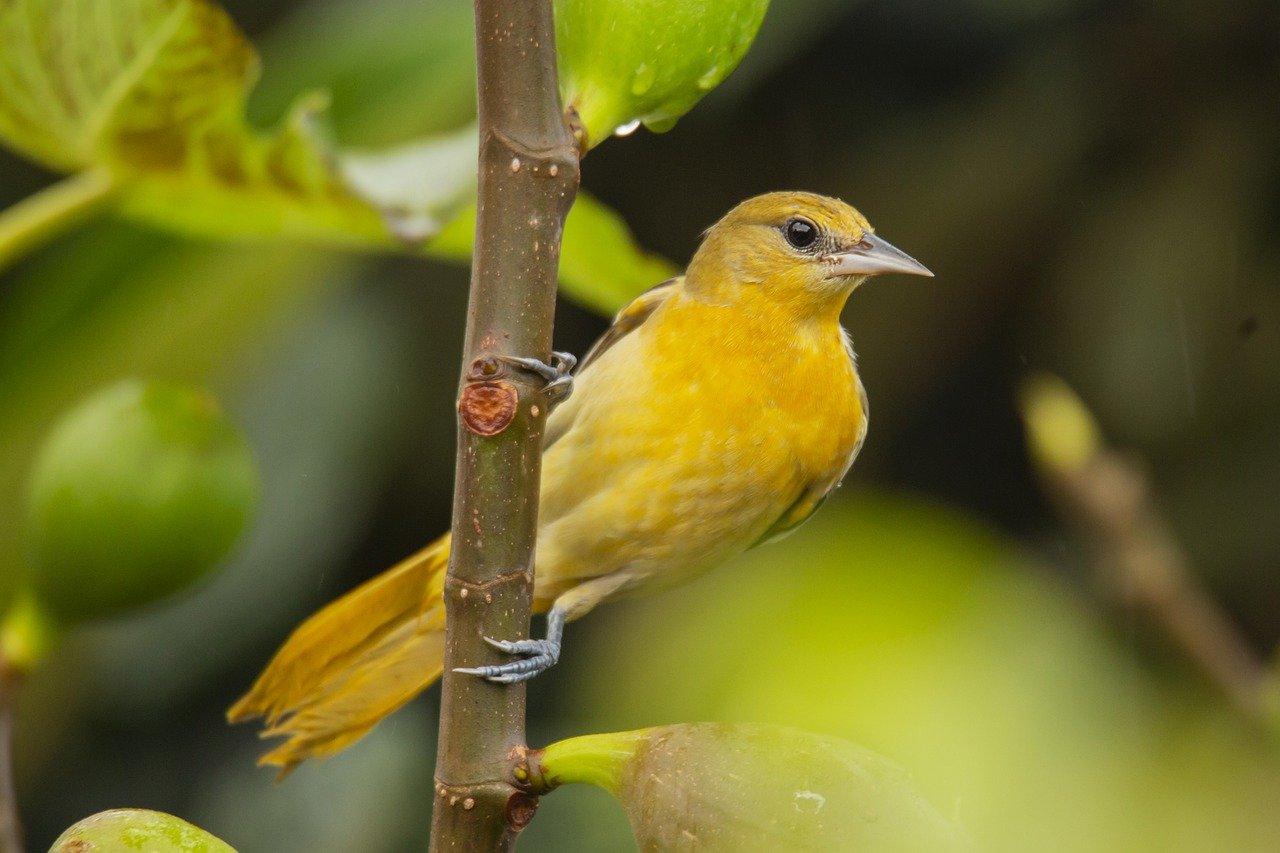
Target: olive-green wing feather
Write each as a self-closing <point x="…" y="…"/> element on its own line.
<point x="630" y="318"/>
<point x="624" y="323"/>
<point x="795" y="515"/>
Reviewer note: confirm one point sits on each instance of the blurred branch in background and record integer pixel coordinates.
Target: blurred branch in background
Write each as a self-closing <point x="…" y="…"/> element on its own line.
<point x="1107" y="495"/>
<point x="39" y="218"/>
<point x="10" y="829"/>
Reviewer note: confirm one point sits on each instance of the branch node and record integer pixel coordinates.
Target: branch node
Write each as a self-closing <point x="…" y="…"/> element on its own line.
<point x="484" y="367"/>
<point x="488" y="408"/>
<point x="520" y="809"/>
<point x="577" y="129"/>
<point x="528" y="773"/>
<point x="521" y="153"/>
<point x="451" y="583"/>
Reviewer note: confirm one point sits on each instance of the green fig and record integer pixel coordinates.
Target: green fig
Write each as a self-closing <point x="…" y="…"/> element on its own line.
<point x="137" y="493"/>
<point x="710" y="786"/>
<point x="624" y="62"/>
<point x="137" y="831"/>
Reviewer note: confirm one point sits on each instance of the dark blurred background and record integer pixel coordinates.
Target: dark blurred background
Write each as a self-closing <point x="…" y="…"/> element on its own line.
<point x="1096" y="186"/>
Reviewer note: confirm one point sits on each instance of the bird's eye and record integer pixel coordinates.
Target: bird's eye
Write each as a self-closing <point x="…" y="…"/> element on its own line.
<point x="800" y="233"/>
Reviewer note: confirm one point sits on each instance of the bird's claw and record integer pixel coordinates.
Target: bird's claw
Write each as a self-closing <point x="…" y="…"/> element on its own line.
<point x="522" y="647"/>
<point x="541" y="656"/>
<point x="558" y="375"/>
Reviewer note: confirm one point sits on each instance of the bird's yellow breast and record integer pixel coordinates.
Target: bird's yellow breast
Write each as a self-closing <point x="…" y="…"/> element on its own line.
<point x="689" y="438"/>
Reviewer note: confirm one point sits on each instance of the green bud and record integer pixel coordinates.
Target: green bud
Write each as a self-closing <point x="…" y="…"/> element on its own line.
<point x="136" y="493"/>
<point x="749" y="787"/>
<point x="137" y="830"/>
<point x="623" y="62"/>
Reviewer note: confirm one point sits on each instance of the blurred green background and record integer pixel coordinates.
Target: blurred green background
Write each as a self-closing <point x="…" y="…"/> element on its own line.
<point x="1097" y="187"/>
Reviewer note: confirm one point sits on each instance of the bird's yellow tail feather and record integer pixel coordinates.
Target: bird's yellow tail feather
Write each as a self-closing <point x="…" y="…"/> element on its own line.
<point x="353" y="662"/>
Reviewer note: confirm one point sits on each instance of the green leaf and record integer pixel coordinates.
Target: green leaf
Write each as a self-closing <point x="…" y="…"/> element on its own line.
<point x="601" y="266"/>
<point x="153" y="92"/>
<point x="137" y="493"/>
<point x="152" y="103"/>
<point x="407" y="72"/>
<point x="623" y="62"/>
<point x="140" y="830"/>
<point x="125" y="80"/>
<point x="711" y="786"/>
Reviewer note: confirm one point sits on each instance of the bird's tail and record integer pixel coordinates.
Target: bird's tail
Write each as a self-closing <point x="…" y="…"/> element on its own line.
<point x="353" y="663"/>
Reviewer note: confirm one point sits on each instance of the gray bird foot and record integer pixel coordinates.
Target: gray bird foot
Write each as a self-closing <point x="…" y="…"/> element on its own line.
<point x="558" y="375"/>
<point x="541" y="656"/>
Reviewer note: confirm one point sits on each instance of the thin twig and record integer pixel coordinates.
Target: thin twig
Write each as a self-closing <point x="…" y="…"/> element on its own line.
<point x="1108" y="496"/>
<point x="1144" y="564"/>
<point x="527" y="181"/>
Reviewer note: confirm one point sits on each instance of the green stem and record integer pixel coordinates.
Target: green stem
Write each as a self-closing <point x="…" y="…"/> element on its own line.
<point x="591" y="759"/>
<point x="39" y="218"/>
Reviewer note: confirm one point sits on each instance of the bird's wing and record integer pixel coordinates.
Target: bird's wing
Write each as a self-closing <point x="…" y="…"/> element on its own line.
<point x="624" y="323"/>
<point x="630" y="318"/>
<point x="796" y="514"/>
<point x="815" y="495"/>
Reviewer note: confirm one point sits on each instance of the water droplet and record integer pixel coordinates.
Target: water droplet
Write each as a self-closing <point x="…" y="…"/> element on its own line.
<point x="661" y="125"/>
<point x="643" y="81"/>
<point x="708" y="81"/>
<point x="626" y="129"/>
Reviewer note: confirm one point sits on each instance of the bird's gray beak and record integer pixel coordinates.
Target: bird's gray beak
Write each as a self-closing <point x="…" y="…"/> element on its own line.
<point x="874" y="256"/>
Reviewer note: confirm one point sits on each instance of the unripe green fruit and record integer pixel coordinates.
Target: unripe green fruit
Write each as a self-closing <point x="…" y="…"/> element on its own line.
<point x="136" y="493"/>
<point x="750" y="787"/>
<point x="137" y="830"/>
<point x="623" y="62"/>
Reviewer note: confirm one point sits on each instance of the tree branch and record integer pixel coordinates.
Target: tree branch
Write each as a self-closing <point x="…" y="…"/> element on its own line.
<point x="1144" y="565"/>
<point x="1108" y="496"/>
<point x="527" y="181"/>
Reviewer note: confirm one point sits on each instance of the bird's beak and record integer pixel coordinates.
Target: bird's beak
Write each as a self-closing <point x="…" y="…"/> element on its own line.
<point x="874" y="256"/>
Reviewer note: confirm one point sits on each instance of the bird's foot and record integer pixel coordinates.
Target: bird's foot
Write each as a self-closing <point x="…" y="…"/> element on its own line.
<point x="541" y="656"/>
<point x="558" y="375"/>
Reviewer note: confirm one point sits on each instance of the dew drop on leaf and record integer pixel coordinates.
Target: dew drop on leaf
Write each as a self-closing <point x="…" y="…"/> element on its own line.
<point x="661" y="125"/>
<point x="627" y="129"/>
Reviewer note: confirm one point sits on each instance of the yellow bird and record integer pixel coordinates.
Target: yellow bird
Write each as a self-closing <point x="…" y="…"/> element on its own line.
<point x="717" y="412"/>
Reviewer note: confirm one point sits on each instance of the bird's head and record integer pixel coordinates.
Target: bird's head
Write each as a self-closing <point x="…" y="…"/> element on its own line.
<point x="800" y="249"/>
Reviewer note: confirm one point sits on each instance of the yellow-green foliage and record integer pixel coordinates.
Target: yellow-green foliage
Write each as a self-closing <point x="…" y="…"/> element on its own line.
<point x="153" y="92"/>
